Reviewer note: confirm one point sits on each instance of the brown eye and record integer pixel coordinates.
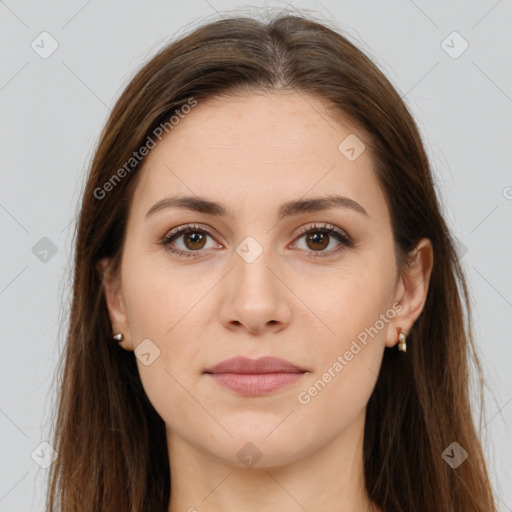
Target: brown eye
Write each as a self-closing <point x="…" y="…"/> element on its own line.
<point x="317" y="241"/>
<point x="186" y="241"/>
<point x="194" y="240"/>
<point x="318" y="238"/>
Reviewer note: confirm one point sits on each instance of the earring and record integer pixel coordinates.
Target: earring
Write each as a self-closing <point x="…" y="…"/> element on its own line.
<point x="402" y="345"/>
<point x="119" y="337"/>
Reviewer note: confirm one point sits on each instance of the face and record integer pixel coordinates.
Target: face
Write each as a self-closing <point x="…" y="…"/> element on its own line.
<point x="315" y="287"/>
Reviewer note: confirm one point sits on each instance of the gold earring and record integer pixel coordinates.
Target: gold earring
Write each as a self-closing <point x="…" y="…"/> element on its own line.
<point x="402" y="345"/>
<point x="119" y="337"/>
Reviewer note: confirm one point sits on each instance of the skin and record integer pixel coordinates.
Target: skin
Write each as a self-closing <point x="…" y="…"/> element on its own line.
<point x="253" y="152"/>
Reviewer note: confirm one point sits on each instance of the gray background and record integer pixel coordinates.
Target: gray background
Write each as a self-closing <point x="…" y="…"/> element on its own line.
<point x="52" y="111"/>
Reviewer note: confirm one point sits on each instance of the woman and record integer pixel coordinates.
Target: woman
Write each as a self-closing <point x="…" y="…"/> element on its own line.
<point x="268" y="310"/>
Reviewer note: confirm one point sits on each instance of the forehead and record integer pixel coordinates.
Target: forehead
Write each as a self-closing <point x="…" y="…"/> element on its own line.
<point x="260" y="146"/>
<point x="282" y="124"/>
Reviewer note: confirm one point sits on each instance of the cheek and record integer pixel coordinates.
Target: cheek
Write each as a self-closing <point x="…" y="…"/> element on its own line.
<point x="349" y="300"/>
<point x="348" y="359"/>
<point x="356" y="308"/>
<point x="161" y="306"/>
<point x="347" y="363"/>
<point x="159" y="295"/>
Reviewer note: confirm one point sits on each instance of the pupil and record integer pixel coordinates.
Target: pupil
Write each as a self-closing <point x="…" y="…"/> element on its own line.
<point x="195" y="238"/>
<point x="319" y="238"/>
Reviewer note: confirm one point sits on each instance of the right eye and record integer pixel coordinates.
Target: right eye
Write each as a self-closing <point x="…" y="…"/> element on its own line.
<point x="194" y="240"/>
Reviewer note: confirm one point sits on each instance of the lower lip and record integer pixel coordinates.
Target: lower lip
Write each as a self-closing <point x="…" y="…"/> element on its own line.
<point x="254" y="384"/>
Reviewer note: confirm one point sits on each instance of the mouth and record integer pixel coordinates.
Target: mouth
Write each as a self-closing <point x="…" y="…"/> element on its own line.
<point x="254" y="377"/>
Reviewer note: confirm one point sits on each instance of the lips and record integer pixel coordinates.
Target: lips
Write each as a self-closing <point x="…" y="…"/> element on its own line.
<point x="244" y="365"/>
<point x="255" y="377"/>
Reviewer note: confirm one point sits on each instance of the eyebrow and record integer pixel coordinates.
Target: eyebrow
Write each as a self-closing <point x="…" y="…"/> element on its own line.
<point x="288" y="209"/>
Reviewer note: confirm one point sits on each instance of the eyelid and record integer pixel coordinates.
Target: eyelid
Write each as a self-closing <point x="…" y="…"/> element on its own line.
<point x="302" y="230"/>
<point x="344" y="239"/>
<point x="185" y="228"/>
<point x="316" y="226"/>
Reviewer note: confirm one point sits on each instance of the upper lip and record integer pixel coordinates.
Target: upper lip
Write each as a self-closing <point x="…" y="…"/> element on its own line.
<point x="260" y="365"/>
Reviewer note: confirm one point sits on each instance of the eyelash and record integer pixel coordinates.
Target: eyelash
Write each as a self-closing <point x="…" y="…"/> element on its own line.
<point x="327" y="229"/>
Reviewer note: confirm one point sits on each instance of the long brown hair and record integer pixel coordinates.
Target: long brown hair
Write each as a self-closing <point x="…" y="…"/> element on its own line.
<point x="110" y="441"/>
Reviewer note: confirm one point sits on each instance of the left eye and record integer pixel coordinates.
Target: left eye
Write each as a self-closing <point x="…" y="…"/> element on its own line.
<point x="317" y="239"/>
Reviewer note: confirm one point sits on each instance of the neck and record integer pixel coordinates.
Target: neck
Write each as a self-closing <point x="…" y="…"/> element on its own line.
<point x="332" y="477"/>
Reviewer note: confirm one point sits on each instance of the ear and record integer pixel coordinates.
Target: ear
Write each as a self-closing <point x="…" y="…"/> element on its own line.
<point x="411" y="290"/>
<point x="113" y="292"/>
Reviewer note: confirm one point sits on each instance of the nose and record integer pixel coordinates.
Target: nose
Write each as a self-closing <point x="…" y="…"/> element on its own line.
<point x="255" y="296"/>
